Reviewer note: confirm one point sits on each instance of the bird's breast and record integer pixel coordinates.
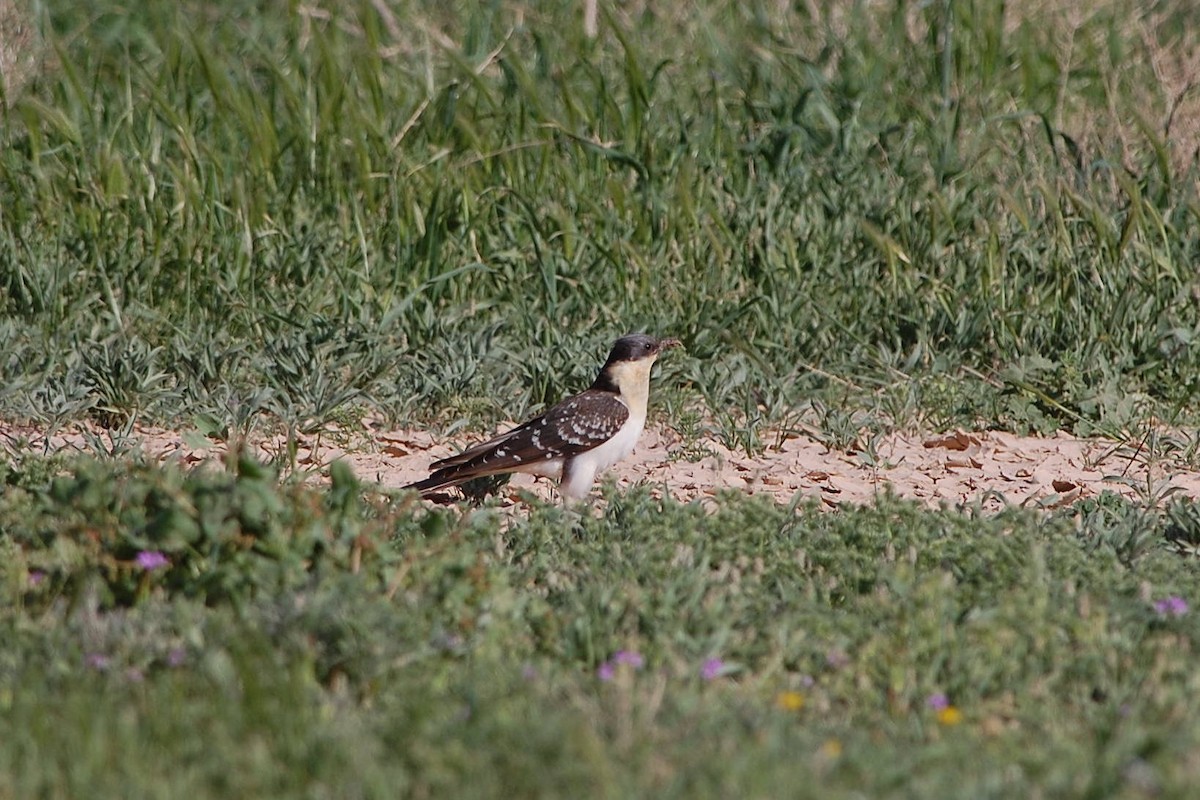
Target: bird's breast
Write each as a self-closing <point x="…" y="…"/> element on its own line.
<point x="616" y="448"/>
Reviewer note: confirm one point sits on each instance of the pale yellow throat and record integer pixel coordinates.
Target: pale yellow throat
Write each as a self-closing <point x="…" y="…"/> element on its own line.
<point x="633" y="380"/>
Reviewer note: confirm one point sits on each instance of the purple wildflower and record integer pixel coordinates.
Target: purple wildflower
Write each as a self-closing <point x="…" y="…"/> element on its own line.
<point x="605" y="671"/>
<point x="96" y="661"/>
<point x="807" y="681"/>
<point x="150" y="560"/>
<point x="1173" y="606"/>
<point x="938" y="701"/>
<point x="712" y="669"/>
<point x="836" y="659"/>
<point x="176" y="656"/>
<point x="36" y="576"/>
<point x="630" y="658"/>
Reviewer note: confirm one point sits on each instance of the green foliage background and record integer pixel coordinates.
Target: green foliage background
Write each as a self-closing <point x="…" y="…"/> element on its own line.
<point x="326" y="643"/>
<point x="305" y="209"/>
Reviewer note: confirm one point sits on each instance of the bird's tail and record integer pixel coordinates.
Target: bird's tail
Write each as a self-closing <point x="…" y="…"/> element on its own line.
<point x="438" y="480"/>
<point x="473" y="485"/>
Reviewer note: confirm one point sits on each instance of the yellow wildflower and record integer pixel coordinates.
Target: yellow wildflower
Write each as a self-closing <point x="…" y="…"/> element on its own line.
<point x="950" y="715"/>
<point x="790" y="701"/>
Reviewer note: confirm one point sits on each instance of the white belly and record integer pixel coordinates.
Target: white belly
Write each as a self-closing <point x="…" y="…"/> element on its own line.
<point x="586" y="466"/>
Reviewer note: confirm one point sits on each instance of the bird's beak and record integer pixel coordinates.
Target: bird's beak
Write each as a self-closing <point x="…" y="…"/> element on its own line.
<point x="667" y="344"/>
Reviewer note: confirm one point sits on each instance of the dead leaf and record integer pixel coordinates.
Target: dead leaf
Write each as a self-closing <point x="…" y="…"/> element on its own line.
<point x="959" y="440"/>
<point x="1056" y="500"/>
<point x="398" y="439"/>
<point x="961" y="462"/>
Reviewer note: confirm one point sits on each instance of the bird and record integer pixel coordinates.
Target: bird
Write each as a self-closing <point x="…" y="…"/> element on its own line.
<point x="575" y="440"/>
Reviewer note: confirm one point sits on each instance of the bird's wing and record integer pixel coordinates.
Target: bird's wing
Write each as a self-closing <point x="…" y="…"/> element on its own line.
<point x="573" y="426"/>
<point x="478" y="449"/>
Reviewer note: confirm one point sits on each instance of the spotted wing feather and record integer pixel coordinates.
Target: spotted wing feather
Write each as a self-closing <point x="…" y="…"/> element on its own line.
<point x="573" y="426"/>
<point x="477" y="449"/>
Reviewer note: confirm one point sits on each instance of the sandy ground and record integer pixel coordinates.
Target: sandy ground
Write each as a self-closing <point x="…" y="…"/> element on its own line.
<point x="990" y="468"/>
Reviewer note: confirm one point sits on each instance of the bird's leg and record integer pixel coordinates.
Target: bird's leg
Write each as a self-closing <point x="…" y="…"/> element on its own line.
<point x="578" y="476"/>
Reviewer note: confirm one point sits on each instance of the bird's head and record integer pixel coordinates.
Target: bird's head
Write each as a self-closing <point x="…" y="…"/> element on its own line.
<point x="639" y="347"/>
<point x="627" y="370"/>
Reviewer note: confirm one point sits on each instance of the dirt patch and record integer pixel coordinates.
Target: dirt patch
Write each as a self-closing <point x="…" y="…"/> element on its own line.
<point x="990" y="468"/>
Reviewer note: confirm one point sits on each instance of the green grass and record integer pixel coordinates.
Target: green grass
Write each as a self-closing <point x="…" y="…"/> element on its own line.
<point x="304" y="212"/>
<point x="333" y="643"/>
<point x="858" y="216"/>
